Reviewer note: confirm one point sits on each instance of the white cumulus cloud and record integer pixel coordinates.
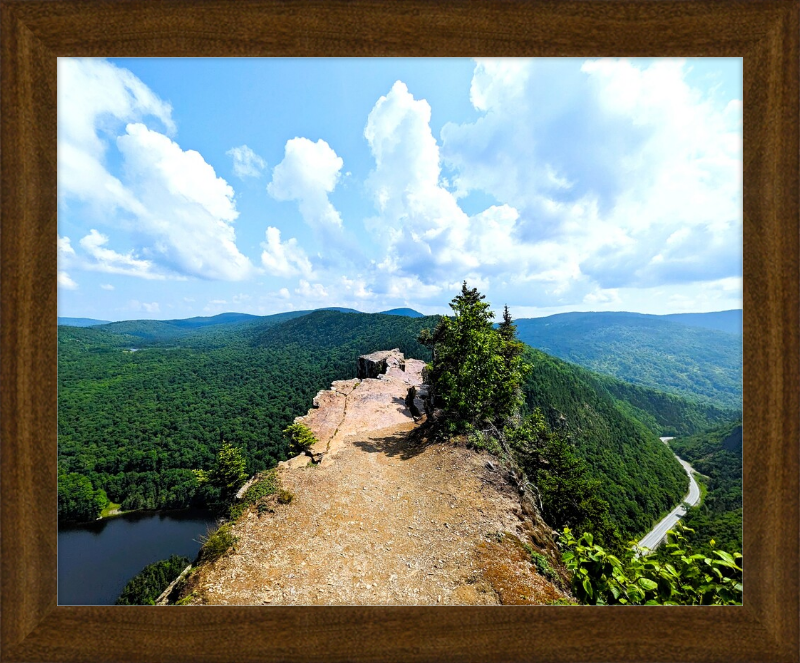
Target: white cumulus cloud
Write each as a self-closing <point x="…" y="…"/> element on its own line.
<point x="151" y="307"/>
<point x="426" y="230"/>
<point x="315" y="292"/>
<point x="246" y="163"/>
<point x="308" y="173"/>
<point x="176" y="211"/>
<point x="93" y="97"/>
<point x="189" y="211"/>
<point x="111" y="262"/>
<point x="621" y="173"/>
<point x="64" y="281"/>
<point x="284" y="259"/>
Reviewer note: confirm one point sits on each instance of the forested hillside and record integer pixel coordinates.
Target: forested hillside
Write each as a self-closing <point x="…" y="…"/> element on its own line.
<point x="136" y="423"/>
<point x="668" y="415"/>
<point x="717" y="454"/>
<point x="699" y="363"/>
<point x="640" y="478"/>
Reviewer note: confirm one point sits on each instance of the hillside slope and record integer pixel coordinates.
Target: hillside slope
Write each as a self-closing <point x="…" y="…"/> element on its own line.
<point x="640" y="479"/>
<point x="695" y="362"/>
<point x="385" y="519"/>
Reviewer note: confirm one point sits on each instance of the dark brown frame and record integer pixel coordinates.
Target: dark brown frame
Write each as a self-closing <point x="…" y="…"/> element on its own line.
<point x="35" y="32"/>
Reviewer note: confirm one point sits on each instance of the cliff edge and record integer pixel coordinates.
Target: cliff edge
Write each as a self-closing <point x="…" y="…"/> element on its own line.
<point x="384" y="517"/>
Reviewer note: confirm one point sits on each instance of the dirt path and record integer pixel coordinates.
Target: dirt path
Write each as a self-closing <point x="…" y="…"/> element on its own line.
<point x="380" y="520"/>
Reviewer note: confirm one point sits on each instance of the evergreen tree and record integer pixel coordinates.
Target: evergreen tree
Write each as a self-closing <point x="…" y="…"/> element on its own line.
<point x="476" y="371"/>
<point x="147" y="585"/>
<point x="507" y="329"/>
<point x="228" y="474"/>
<point x="300" y="438"/>
<point x="568" y="493"/>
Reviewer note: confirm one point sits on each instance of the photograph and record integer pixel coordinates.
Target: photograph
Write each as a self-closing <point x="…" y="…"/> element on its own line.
<point x="400" y="331"/>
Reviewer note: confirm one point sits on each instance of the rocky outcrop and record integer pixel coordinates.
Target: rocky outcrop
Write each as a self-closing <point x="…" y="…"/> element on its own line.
<point x="387" y="517"/>
<point x="360" y="405"/>
<point x="377" y="363"/>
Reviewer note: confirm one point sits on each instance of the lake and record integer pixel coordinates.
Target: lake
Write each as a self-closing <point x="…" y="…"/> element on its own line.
<point x="96" y="560"/>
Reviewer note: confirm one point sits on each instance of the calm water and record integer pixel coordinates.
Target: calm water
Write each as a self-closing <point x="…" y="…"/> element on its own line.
<point x="96" y="560"/>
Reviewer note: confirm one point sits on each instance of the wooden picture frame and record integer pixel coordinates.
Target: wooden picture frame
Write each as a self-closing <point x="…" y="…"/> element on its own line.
<point x="35" y="32"/>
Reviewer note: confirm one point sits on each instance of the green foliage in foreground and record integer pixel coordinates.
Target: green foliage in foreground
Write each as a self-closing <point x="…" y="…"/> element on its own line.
<point x="300" y="438"/>
<point x="78" y="500"/>
<point x="147" y="585"/>
<point x="688" y="578"/>
<point x="542" y="564"/>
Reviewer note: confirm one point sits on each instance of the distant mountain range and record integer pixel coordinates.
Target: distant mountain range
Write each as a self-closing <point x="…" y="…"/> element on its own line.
<point x="81" y="322"/>
<point x="687" y="354"/>
<point x="407" y="312"/>
<point x="698" y="355"/>
<point x="230" y="318"/>
<point x="727" y="321"/>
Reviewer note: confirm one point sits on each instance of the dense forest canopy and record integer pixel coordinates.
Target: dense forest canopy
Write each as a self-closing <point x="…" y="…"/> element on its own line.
<point x="639" y="477"/>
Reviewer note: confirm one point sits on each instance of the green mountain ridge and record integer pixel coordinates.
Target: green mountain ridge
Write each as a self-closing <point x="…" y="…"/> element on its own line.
<point x="694" y="362"/>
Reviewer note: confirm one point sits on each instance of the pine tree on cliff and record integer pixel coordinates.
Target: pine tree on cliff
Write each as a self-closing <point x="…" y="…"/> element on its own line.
<point x="476" y="371"/>
<point x="509" y="390"/>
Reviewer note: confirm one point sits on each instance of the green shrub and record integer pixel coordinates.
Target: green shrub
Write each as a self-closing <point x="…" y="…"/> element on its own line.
<point x="543" y="565"/>
<point x="267" y="484"/>
<point x="482" y="441"/>
<point x="300" y="438"/>
<point x="600" y="578"/>
<point x="285" y="496"/>
<point x="216" y="544"/>
<point x="228" y="473"/>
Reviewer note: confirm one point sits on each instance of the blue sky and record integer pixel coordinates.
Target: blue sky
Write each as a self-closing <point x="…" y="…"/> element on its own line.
<point x="193" y="187"/>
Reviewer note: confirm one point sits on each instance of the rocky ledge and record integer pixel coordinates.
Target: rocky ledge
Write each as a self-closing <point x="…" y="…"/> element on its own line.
<point x="375" y="400"/>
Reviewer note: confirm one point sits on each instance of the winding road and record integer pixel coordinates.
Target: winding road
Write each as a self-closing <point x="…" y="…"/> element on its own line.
<point x="655" y="536"/>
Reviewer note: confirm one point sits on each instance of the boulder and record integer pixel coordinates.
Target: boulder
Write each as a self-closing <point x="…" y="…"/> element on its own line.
<point x="376" y="363"/>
